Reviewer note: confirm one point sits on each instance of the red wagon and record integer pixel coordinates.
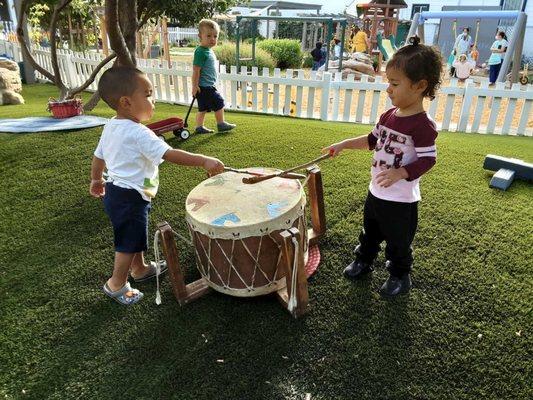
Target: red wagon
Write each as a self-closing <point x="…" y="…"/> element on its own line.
<point x="175" y="125"/>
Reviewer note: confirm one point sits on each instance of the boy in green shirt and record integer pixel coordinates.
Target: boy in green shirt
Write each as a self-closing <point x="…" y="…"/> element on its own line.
<point x="204" y="78"/>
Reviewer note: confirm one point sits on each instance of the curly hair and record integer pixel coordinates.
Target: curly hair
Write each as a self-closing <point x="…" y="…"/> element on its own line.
<point x="419" y="62"/>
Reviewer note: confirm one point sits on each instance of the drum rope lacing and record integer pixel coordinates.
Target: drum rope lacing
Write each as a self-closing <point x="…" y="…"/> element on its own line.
<point x="229" y="259"/>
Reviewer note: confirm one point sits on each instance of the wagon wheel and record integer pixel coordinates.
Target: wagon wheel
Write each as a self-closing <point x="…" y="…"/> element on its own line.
<point x="183" y="134"/>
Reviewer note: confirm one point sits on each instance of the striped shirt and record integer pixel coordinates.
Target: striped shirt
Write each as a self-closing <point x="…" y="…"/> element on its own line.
<point x="407" y="142"/>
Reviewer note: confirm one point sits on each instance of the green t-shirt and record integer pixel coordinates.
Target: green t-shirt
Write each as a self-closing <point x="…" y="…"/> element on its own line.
<point x="205" y="58"/>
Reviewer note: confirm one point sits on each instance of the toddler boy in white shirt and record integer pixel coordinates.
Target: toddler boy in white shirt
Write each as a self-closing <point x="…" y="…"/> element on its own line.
<point x="132" y="153"/>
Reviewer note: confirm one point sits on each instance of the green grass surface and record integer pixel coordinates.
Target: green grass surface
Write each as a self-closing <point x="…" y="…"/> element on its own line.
<point x="464" y="332"/>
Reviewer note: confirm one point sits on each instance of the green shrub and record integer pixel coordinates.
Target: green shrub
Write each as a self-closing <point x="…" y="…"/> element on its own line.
<point x="226" y="56"/>
<point x="308" y="61"/>
<point x="286" y="52"/>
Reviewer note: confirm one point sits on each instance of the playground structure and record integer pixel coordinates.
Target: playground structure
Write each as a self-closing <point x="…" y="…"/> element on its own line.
<point x="381" y="15"/>
<point x="386" y="46"/>
<point x="328" y="22"/>
<point x="516" y="41"/>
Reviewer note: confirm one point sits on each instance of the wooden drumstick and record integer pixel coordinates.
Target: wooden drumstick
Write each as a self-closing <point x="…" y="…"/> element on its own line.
<point x="256" y="179"/>
<point x="288" y="175"/>
<point x="238" y="171"/>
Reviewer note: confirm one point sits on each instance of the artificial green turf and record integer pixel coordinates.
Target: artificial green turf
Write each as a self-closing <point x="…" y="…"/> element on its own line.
<point x="464" y="332"/>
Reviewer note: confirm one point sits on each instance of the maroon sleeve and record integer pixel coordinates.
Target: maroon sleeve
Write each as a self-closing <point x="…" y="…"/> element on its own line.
<point x="426" y="150"/>
<point x="373" y="136"/>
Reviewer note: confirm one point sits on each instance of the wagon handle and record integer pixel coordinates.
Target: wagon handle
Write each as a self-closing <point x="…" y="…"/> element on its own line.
<point x="185" y="124"/>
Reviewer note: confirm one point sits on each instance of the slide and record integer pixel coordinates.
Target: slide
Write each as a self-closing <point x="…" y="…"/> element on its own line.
<point x="386" y="46"/>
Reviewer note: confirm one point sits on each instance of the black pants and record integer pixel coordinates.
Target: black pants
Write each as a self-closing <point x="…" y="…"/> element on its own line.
<point x="392" y="222"/>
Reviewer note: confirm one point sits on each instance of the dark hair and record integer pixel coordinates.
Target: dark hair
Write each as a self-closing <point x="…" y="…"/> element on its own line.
<point x="117" y="82"/>
<point x="502" y="34"/>
<point x="467" y="29"/>
<point x="418" y="61"/>
<point x="337" y="41"/>
<point x="318" y="45"/>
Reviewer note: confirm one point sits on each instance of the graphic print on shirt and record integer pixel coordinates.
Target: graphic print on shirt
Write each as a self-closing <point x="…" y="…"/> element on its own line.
<point x="390" y="145"/>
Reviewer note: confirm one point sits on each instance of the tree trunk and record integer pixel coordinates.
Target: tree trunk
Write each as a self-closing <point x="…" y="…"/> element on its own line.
<point x="116" y="36"/>
<point x="93" y="101"/>
<point x="129" y="25"/>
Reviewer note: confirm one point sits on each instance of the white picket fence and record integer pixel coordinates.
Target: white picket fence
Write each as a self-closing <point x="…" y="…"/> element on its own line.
<point x="325" y="96"/>
<point x="176" y="34"/>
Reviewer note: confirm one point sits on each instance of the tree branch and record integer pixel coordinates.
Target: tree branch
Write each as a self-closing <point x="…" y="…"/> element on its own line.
<point x="24" y="46"/>
<point x="91" y="78"/>
<point x="53" y="45"/>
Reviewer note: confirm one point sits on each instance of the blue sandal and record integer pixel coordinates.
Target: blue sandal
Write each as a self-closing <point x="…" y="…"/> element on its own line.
<point x="152" y="271"/>
<point x="125" y="296"/>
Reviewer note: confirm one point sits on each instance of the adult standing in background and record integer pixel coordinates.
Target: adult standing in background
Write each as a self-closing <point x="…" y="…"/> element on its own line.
<point x="319" y="56"/>
<point x="463" y="43"/>
<point x="498" y="49"/>
<point x="360" y="40"/>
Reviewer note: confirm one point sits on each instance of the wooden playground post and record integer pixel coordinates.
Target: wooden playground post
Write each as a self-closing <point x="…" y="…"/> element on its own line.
<point x="166" y="47"/>
<point x="103" y="35"/>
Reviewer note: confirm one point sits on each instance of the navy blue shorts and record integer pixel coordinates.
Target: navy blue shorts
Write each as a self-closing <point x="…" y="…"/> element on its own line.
<point x="209" y="99"/>
<point x="128" y="213"/>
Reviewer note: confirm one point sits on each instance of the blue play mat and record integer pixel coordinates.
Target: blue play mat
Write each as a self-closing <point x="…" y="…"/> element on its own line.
<point x="48" y="124"/>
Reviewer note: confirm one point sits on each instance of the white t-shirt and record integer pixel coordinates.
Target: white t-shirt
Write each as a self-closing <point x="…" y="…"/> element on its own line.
<point x="132" y="154"/>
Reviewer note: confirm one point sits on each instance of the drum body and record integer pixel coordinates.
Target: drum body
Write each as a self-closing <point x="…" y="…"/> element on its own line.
<point x="235" y="231"/>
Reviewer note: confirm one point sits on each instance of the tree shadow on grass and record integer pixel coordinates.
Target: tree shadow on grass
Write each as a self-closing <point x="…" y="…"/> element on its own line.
<point x="88" y="346"/>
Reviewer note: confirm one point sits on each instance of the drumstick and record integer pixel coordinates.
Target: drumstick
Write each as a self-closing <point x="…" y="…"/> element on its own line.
<point x="238" y="171"/>
<point x="287" y="175"/>
<point x="256" y="179"/>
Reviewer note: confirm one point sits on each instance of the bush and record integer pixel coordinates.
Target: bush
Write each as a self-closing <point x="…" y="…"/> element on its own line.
<point x="226" y="56"/>
<point x="287" y="53"/>
<point x="308" y="61"/>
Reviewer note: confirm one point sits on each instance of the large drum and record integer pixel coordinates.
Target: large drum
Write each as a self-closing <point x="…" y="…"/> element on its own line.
<point x="235" y="230"/>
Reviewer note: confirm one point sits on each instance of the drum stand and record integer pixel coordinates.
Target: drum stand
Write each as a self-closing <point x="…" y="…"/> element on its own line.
<point x="296" y="285"/>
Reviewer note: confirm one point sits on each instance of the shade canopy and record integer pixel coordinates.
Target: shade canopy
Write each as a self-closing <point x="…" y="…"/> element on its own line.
<point x="282" y="5"/>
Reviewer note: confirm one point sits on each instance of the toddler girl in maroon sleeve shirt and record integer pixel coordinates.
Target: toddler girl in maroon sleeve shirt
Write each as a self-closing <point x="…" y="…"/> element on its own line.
<point x="403" y="141"/>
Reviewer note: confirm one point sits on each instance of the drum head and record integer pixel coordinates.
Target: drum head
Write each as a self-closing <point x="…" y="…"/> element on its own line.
<point x="225" y="207"/>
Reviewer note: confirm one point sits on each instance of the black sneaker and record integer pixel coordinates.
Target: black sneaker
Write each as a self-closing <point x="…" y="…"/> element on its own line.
<point x="203" y="129"/>
<point x="357" y="269"/>
<point x="225" y="127"/>
<point x="394" y="285"/>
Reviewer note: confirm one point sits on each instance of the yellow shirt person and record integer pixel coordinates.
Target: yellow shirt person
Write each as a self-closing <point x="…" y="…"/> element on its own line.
<point x="361" y="41"/>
